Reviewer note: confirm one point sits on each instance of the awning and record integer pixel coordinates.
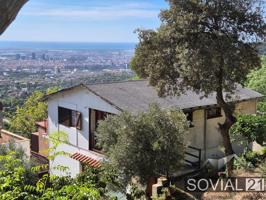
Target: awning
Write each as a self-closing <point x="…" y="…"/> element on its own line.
<point x="86" y="159"/>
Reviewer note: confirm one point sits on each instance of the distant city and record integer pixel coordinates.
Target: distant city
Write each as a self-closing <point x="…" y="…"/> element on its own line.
<point x="29" y="66"/>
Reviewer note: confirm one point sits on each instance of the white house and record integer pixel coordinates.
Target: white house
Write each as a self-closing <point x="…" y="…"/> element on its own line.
<point x="78" y="109"/>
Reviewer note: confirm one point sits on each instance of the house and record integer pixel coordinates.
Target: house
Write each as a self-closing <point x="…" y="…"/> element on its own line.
<point x="78" y="109"/>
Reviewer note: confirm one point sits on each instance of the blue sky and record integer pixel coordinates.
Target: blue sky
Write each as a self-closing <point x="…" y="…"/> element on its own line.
<point x="84" y="20"/>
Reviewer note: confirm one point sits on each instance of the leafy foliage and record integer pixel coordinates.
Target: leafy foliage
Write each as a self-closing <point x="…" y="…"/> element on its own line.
<point x="27" y="115"/>
<point x="56" y="139"/>
<point x="19" y="154"/>
<point x="11" y="146"/>
<point x="204" y="46"/>
<point x="33" y="110"/>
<point x="256" y="80"/>
<point x="19" y="180"/>
<point x="250" y="159"/>
<point x="14" y="184"/>
<point x="201" y="45"/>
<point x="145" y="145"/>
<point x="249" y="128"/>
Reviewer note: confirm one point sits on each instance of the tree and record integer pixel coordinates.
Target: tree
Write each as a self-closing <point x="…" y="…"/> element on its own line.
<point x="207" y="46"/>
<point x="20" y="180"/>
<point x="15" y="184"/>
<point x="256" y="81"/>
<point x="146" y="145"/>
<point x="33" y="110"/>
<point x="249" y="128"/>
<point x="9" y="11"/>
<point x="18" y="153"/>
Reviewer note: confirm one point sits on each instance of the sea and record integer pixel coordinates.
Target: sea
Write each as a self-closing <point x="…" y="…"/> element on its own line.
<point x="66" y="45"/>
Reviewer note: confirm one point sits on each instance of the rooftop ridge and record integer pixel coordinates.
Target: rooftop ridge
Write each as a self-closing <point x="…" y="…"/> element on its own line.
<point x="115" y="82"/>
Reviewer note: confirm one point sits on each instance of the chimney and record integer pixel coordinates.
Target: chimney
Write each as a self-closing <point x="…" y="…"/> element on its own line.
<point x="1" y="118"/>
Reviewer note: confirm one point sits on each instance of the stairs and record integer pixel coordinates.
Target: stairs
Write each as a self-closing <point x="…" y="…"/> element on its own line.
<point x="193" y="156"/>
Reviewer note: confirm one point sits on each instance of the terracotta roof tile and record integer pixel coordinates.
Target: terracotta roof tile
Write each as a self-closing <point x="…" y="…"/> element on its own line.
<point x="86" y="159"/>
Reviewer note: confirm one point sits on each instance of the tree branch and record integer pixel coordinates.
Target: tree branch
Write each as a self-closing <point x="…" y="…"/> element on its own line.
<point x="8" y="12"/>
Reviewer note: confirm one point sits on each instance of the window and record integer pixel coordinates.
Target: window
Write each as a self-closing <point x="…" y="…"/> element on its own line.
<point x="70" y="118"/>
<point x="95" y="117"/>
<point x="189" y="115"/>
<point x="214" y="112"/>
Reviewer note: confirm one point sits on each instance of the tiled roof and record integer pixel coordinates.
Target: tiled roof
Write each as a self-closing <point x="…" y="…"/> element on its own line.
<point x="86" y="159"/>
<point x="136" y="96"/>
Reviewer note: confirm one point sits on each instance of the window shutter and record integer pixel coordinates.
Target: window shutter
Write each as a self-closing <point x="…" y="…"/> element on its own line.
<point x="64" y="116"/>
<point x="79" y="121"/>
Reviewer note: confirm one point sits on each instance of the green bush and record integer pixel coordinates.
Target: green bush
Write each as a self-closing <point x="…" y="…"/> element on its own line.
<point x="19" y="180"/>
<point x="15" y="184"/>
<point x="263" y="151"/>
<point x="252" y="157"/>
<point x="263" y="167"/>
<point x="242" y="163"/>
<point x="256" y="81"/>
<point x="249" y="128"/>
<point x="144" y="145"/>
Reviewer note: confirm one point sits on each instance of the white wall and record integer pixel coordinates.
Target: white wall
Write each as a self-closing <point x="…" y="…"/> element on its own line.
<point x="195" y="136"/>
<point x="79" y="99"/>
<point x="214" y="141"/>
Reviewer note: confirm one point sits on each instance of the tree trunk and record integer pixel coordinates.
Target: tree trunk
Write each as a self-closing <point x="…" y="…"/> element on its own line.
<point x="8" y="12"/>
<point x="225" y="127"/>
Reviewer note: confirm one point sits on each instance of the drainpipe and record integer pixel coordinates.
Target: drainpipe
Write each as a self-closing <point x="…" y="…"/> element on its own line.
<point x="205" y="135"/>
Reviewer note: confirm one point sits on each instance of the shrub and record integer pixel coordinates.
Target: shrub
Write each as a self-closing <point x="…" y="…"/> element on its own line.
<point x="249" y="128"/>
<point x="145" y="145"/>
<point x="14" y="184"/>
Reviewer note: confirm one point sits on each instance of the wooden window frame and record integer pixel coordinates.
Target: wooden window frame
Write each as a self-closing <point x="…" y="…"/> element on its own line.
<point x="69" y="118"/>
<point x="99" y="115"/>
<point x="79" y="120"/>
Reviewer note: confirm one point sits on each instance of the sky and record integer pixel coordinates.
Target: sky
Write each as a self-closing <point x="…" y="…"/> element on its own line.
<point x="84" y="20"/>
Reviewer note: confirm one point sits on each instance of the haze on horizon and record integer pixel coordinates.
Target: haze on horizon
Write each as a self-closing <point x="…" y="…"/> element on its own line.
<point x="83" y="20"/>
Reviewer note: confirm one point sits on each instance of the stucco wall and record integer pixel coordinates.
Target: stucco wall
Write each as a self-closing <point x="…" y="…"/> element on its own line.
<point x="247" y="107"/>
<point x="214" y="142"/>
<point x="80" y="100"/>
<point x="195" y="136"/>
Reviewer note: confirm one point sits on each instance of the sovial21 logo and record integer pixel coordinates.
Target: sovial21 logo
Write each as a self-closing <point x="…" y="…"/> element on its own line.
<point x="234" y="184"/>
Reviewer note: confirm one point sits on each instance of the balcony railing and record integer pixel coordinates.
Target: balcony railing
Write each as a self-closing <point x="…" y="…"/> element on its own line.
<point x="193" y="156"/>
